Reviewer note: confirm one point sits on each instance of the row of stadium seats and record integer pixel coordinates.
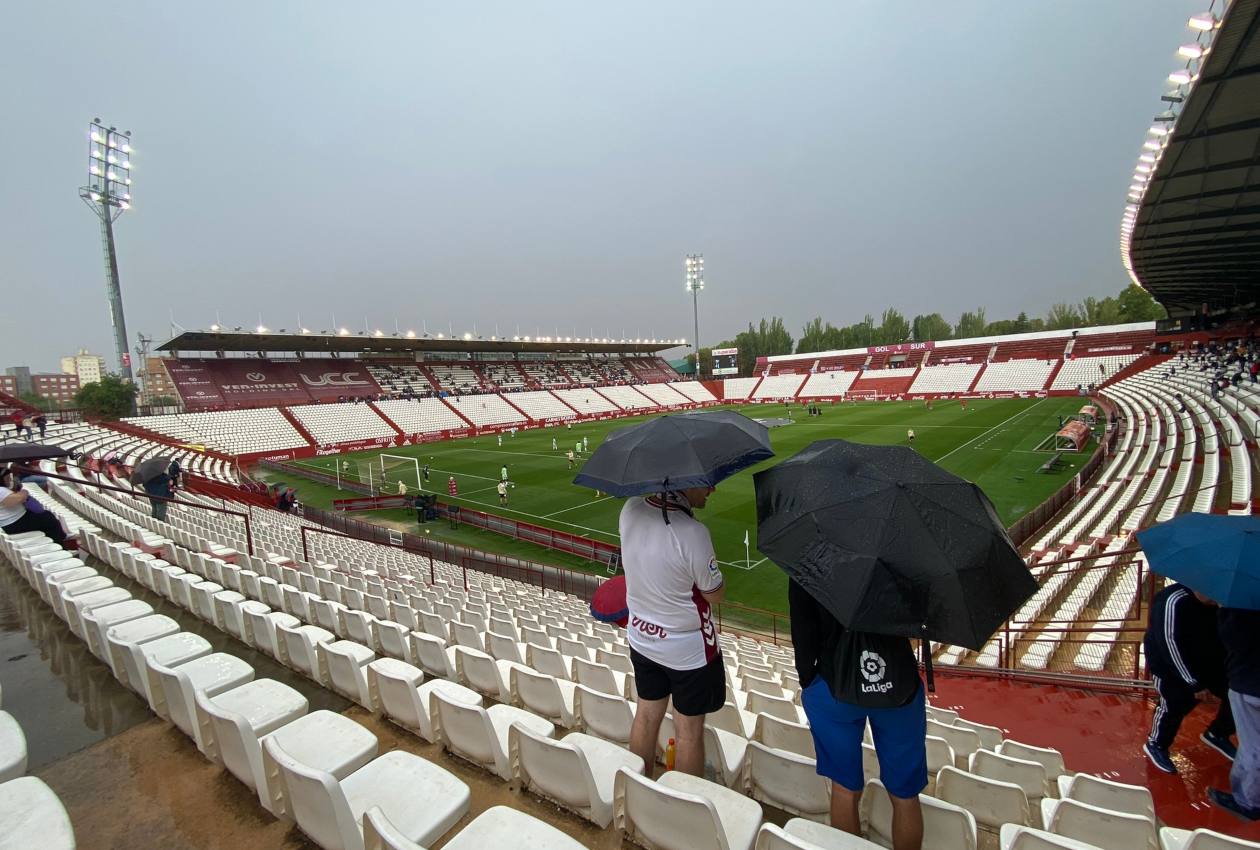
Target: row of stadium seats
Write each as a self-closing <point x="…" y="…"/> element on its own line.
<point x="487" y="668"/>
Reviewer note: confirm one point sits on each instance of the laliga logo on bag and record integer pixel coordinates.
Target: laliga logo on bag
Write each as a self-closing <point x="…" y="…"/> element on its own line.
<point x="873" y="668"/>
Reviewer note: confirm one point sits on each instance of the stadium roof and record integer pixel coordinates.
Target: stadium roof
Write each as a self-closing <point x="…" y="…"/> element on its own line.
<point x="1196" y="237"/>
<point x="382" y="343"/>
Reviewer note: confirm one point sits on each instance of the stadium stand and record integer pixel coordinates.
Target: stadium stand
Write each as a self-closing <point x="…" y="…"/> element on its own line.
<point x="951" y="378"/>
<point x="504" y="376"/>
<point x="541" y="405"/>
<point x="627" y="398"/>
<point x="827" y="384"/>
<point x="1015" y="376"/>
<point x="1084" y="371"/>
<point x="586" y="401"/>
<point x="453" y="377"/>
<point x="694" y="390"/>
<point x="778" y="387"/>
<point x="486" y="409"/>
<point x="738" y="389"/>
<point x="421" y="416"/>
<point x="230" y="431"/>
<point x="401" y="379"/>
<point x="663" y="394"/>
<point x="884" y="382"/>
<point x="342" y="423"/>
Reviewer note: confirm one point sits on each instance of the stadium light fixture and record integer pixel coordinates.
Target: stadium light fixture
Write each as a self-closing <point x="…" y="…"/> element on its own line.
<point x="343" y="332"/>
<point x="1192" y="50"/>
<point x="1159" y="130"/>
<point x="262" y="329"/>
<point x="411" y="334"/>
<point x="1203" y="22"/>
<point x="694" y="265"/>
<point x="214" y="328"/>
<point x="1147" y="158"/>
<point x="1181" y="77"/>
<point x="107" y="196"/>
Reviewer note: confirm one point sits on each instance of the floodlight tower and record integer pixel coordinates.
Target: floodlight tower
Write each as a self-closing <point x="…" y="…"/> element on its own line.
<point x="695" y="282"/>
<point x="108" y="195"/>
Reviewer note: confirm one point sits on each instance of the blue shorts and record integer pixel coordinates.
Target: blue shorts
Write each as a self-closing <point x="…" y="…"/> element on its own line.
<point x="899" y="733"/>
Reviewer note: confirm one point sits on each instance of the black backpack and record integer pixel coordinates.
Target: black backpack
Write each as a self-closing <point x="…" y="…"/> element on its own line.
<point x="872" y="671"/>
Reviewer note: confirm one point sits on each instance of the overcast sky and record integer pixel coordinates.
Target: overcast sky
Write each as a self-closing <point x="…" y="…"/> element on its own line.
<point x="547" y="165"/>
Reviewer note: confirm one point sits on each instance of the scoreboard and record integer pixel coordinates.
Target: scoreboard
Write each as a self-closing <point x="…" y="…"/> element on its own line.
<point x="725" y="361"/>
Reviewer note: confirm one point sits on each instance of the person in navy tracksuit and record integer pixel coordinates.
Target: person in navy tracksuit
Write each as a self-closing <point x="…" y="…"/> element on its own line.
<point x="1186" y="659"/>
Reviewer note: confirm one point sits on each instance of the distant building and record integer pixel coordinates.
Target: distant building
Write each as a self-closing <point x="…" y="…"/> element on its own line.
<point x="156" y="381"/>
<point x="89" y="368"/>
<point x="58" y="389"/>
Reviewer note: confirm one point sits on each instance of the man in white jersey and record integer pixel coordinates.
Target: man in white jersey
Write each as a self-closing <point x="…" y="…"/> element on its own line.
<point x="672" y="577"/>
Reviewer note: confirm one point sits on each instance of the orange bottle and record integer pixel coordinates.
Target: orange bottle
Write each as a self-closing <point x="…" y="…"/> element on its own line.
<point x="669" y="754"/>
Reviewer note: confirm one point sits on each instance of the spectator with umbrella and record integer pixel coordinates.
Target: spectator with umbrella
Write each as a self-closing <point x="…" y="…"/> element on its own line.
<point x="154" y="475"/>
<point x="1218" y="556"/>
<point x="20" y="512"/>
<point x="880" y="545"/>
<point x="668" y="467"/>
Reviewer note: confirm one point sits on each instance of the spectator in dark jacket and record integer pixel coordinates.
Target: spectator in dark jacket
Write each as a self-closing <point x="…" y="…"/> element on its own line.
<point x="1240" y="633"/>
<point x="1187" y="661"/>
<point x="160" y="488"/>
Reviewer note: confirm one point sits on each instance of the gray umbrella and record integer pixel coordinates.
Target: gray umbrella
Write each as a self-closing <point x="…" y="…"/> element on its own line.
<point x="150" y="468"/>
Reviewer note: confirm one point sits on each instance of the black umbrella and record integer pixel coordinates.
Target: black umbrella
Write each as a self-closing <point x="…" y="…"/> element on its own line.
<point x="20" y="452"/>
<point x="890" y="543"/>
<point x="150" y="468"/>
<point x="675" y="452"/>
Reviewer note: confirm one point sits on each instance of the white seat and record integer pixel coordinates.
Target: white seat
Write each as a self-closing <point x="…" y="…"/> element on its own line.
<point x="683" y="812"/>
<point x="603" y="715"/>
<point x="500" y="826"/>
<point x="169" y="651"/>
<point x="483" y="674"/>
<point x="991" y="802"/>
<point x="939" y="754"/>
<point x="1050" y="758"/>
<point x="264" y="626"/>
<point x="1016" y="837"/>
<point x="391" y="637"/>
<point x="97" y="621"/>
<point x="801" y="834"/>
<point x="1028" y="775"/>
<point x="951" y="827"/>
<point x="342" y="666"/>
<point x="211" y="674"/>
<point x="120" y="638"/>
<point x="234" y="722"/>
<point x="1201" y="839"/>
<point x="76" y="605"/>
<point x="576" y="772"/>
<point x="549" y="661"/>
<point x="1105" y="794"/>
<point x="33" y="816"/>
<point x="395" y="688"/>
<point x="782" y="707"/>
<point x="724" y="752"/>
<point x="787" y="780"/>
<point x="12" y="748"/>
<point x="432" y="655"/>
<point x="990" y="736"/>
<point x="296" y="645"/>
<point x="480" y="735"/>
<point x="784" y="735"/>
<point x="544" y="695"/>
<point x="963" y="741"/>
<point x="420" y="799"/>
<point x="1108" y="829"/>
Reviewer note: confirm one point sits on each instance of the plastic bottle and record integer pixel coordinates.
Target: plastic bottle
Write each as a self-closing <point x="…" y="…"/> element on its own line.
<point x="670" y="750"/>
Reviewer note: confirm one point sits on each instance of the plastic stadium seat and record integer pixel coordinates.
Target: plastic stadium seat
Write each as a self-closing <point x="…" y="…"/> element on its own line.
<point x="548" y="661"/>
<point x="787" y="781"/>
<point x="296" y="645"/>
<point x="544" y="695"/>
<point x="964" y="741"/>
<point x="951" y="827"/>
<point x="1201" y="839"/>
<point x="432" y="655"/>
<point x="780" y="707"/>
<point x="990" y="736"/>
<point x="169" y="651"/>
<point x="121" y="638"/>
<point x="801" y="834"/>
<point x="395" y="690"/>
<point x="784" y="735"/>
<point x="724" y="753"/>
<point x="598" y="677"/>
<point x="1028" y="775"/>
<point x="1105" y="794"/>
<point x="1108" y="829"/>
<point x="12" y="748"/>
<point x="603" y="715"/>
<point x="33" y="817"/>
<point x="233" y="723"/>
<point x="341" y="667"/>
<point x="480" y="735"/>
<point x="1051" y="759"/>
<point x="683" y="812"/>
<point x="484" y="674"/>
<point x="98" y="621"/>
<point x="420" y="799"/>
<point x="576" y="772"/>
<point x="211" y="674"/>
<point x="991" y="802"/>
<point x="1016" y="837"/>
<point x="501" y="826"/>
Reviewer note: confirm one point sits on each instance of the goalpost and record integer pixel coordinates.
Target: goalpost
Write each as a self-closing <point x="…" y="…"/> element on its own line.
<point x="395" y="468"/>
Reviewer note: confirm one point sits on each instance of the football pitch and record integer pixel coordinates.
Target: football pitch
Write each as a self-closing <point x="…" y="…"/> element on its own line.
<point x="990" y="442"/>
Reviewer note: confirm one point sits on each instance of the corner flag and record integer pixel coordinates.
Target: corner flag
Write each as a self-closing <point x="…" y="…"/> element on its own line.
<point x="745" y="537"/>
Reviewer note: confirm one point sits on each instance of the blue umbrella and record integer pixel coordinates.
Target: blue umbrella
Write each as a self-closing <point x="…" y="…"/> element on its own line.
<point x="1217" y="555"/>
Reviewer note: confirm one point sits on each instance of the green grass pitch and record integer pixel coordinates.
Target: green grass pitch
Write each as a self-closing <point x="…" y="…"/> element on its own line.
<point x="990" y="442"/>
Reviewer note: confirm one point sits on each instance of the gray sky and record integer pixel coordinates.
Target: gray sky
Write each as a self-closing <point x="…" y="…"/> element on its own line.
<point x="548" y="164"/>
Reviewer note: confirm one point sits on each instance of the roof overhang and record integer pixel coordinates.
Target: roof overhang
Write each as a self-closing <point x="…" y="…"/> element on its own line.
<point x="1196" y="238"/>
<point x="387" y="344"/>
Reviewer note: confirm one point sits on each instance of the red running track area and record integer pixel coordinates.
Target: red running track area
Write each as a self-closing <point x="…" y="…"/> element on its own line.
<point x="1103" y="733"/>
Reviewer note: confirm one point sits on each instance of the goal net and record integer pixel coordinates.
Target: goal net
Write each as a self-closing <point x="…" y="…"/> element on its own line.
<point x="399" y="468"/>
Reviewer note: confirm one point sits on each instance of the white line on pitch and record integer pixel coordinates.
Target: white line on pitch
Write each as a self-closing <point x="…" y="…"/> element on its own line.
<point x="575" y="507"/>
<point x="994" y="428"/>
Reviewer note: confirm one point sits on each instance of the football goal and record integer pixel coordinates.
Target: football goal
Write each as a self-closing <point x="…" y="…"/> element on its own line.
<point x="396" y="468"/>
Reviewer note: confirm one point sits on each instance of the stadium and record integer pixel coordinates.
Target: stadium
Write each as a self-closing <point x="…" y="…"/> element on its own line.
<point x="364" y="618"/>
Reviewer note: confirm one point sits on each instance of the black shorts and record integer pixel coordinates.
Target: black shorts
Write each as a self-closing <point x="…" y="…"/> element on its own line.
<point x="695" y="692"/>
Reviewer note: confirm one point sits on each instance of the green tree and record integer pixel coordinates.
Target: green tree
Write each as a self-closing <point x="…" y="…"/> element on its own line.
<point x="171" y="401"/>
<point x="893" y="328"/>
<point x="1063" y="317"/>
<point x="1001" y="327"/>
<point x="1022" y="324"/>
<point x="1136" y="305"/>
<point x="971" y="324"/>
<point x="1100" y="311"/>
<point x="36" y="400"/>
<point x="931" y="328"/>
<point x="813" y="336"/>
<point x="108" y="398"/>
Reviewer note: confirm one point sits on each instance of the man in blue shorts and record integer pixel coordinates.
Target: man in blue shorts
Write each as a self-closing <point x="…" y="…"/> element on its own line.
<point x="849" y="678"/>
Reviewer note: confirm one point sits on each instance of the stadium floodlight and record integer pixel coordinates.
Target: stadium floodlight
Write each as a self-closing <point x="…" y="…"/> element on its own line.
<point x="1159" y="130"/>
<point x="107" y="196"/>
<point x="1147" y="157"/>
<point x="214" y="328"/>
<point x="1191" y="51"/>
<point x="343" y="332"/>
<point x="1203" y="22"/>
<point x="411" y="334"/>
<point x="262" y="329"/>
<point x="694" y="265"/>
<point x="1181" y="77"/>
